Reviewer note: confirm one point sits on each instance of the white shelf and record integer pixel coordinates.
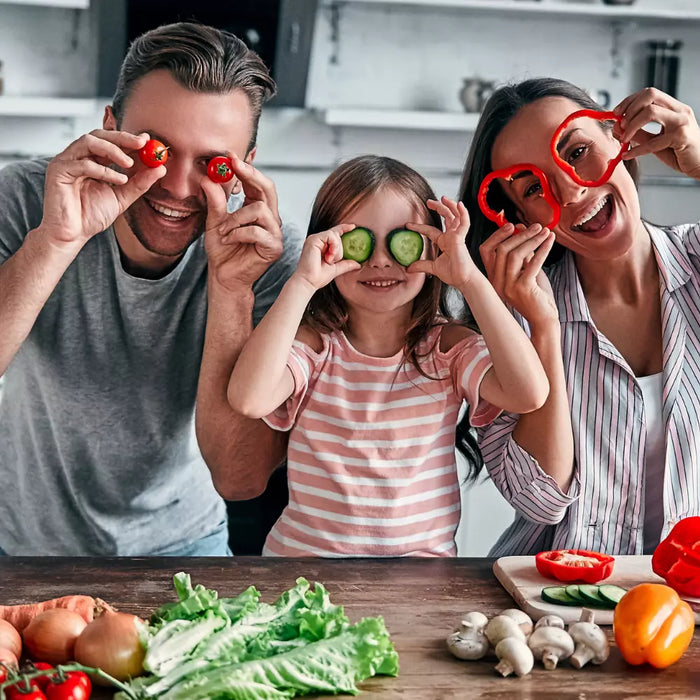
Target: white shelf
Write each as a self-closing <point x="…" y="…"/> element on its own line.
<point x="47" y="106"/>
<point x="396" y="119"/>
<point x="70" y="4"/>
<point x="542" y="7"/>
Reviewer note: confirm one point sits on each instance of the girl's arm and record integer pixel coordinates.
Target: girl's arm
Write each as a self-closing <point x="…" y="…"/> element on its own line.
<point x="517" y="381"/>
<point x="513" y="260"/>
<point x="261" y="381"/>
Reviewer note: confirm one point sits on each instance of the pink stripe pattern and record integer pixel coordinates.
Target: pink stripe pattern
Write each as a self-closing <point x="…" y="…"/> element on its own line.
<point x="371" y="457"/>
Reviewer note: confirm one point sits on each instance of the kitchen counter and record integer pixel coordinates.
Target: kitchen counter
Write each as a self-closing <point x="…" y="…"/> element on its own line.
<point x="421" y="600"/>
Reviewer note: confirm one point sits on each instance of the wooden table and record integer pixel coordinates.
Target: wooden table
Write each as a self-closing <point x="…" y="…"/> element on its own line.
<point x="421" y="601"/>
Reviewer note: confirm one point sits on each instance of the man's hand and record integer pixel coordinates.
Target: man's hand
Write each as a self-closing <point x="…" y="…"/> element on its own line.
<point x="84" y="195"/>
<point x="243" y="244"/>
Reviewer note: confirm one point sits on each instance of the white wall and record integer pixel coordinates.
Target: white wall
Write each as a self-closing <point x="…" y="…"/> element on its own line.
<point x="393" y="58"/>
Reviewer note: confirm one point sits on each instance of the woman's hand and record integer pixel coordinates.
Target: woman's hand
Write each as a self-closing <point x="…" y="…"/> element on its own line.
<point x="453" y="264"/>
<point x="513" y="257"/>
<point x="321" y="258"/>
<point x="678" y="143"/>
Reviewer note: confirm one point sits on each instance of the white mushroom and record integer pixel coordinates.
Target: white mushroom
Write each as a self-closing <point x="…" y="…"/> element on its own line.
<point x="551" y="644"/>
<point x="470" y="642"/>
<point x="550" y="621"/>
<point x="521" y="618"/>
<point x="501" y="627"/>
<point x="591" y="642"/>
<point x="514" y="656"/>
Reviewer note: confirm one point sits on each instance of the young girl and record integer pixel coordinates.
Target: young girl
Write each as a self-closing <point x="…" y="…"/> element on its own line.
<point x="358" y="362"/>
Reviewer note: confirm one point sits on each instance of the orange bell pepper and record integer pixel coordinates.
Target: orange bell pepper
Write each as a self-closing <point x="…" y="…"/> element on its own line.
<point x="653" y="625"/>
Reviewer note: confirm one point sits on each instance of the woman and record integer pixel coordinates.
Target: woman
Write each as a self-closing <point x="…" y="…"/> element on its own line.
<point x="627" y="297"/>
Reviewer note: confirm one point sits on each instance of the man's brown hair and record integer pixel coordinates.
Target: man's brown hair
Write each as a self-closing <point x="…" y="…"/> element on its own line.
<point x="201" y="59"/>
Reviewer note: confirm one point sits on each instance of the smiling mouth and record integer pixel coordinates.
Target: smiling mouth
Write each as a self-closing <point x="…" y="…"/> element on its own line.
<point x="167" y="212"/>
<point x="381" y="283"/>
<point x="596" y="218"/>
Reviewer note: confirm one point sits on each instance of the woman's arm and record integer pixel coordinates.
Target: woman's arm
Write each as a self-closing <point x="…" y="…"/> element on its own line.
<point x="513" y="260"/>
<point x="261" y="381"/>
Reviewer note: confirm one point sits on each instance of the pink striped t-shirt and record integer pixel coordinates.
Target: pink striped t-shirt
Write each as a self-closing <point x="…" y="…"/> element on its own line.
<point x="371" y="458"/>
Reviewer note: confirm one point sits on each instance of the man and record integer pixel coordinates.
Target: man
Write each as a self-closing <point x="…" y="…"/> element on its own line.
<point x="117" y="313"/>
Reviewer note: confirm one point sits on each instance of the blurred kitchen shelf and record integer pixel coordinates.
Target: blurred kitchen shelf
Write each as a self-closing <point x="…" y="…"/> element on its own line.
<point x="396" y="119"/>
<point x="11" y="106"/>
<point x="536" y="7"/>
<point x="70" y="4"/>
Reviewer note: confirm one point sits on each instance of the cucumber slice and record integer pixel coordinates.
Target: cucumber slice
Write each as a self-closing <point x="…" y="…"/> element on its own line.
<point x="557" y="595"/>
<point x="591" y="594"/>
<point x="611" y="593"/>
<point x="405" y="246"/>
<point x="574" y="592"/>
<point x="358" y="244"/>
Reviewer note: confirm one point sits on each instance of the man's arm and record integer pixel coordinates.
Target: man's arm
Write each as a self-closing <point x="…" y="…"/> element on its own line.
<point x="241" y="453"/>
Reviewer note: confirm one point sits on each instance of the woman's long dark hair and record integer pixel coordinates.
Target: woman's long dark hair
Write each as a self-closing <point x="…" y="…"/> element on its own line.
<point x="501" y="107"/>
<point x="345" y="188"/>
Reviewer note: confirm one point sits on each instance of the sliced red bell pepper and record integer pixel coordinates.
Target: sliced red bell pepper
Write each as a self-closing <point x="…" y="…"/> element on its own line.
<point x="567" y="167"/>
<point x="499" y="218"/>
<point x="575" y="565"/>
<point x="677" y="558"/>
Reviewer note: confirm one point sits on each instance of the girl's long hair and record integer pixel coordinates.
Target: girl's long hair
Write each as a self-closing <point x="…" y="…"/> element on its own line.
<point x="344" y="189"/>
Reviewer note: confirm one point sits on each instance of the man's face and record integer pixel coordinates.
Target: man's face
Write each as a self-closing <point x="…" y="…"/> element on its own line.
<point x="195" y="127"/>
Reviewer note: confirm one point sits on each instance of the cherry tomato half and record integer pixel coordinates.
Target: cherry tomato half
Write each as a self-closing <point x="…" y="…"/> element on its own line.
<point x="154" y="153"/>
<point x="75" y="686"/>
<point x="220" y="169"/>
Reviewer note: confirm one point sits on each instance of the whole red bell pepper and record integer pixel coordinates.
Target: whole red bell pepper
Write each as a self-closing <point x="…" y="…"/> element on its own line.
<point x="567" y="167"/>
<point x="499" y="218"/>
<point x="575" y="565"/>
<point x="677" y="558"/>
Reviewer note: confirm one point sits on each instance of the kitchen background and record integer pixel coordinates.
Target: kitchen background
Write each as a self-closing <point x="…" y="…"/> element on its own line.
<point x="360" y="76"/>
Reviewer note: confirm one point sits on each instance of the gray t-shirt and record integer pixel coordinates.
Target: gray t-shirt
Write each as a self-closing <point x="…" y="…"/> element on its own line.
<point x="98" y="454"/>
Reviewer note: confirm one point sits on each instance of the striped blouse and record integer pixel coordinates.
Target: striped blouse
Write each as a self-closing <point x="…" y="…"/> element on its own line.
<point x="604" y="510"/>
<point x="371" y="457"/>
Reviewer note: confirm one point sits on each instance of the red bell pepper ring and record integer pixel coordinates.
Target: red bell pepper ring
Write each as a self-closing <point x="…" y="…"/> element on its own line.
<point x="677" y="558"/>
<point x="567" y="167"/>
<point x="575" y="565"/>
<point x="499" y="218"/>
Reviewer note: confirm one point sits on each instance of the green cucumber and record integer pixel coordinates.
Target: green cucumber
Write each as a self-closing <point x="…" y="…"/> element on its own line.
<point x="358" y="244"/>
<point x="574" y="592"/>
<point x="557" y="595"/>
<point x="405" y="246"/>
<point x="591" y="594"/>
<point x="611" y="593"/>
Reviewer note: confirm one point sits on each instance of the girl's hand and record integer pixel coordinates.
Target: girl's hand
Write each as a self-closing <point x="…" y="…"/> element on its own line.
<point x="453" y="264"/>
<point x="513" y="257"/>
<point x="321" y="258"/>
<point x="678" y="143"/>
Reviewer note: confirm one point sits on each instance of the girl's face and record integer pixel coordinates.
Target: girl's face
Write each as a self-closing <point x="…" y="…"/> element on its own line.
<point x="381" y="284"/>
<point x="596" y="222"/>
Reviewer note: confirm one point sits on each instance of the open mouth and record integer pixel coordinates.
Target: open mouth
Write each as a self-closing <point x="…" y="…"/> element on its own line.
<point x="168" y="213"/>
<point x="381" y="284"/>
<point x="596" y="218"/>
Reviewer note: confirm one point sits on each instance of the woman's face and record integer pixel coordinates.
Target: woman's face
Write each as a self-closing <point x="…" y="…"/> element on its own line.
<point x="596" y="222"/>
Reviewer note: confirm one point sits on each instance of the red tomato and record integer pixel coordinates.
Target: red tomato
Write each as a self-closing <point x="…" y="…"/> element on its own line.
<point x="220" y="169"/>
<point x="154" y="153"/>
<point x="42" y="681"/>
<point x="75" y="686"/>
<point x="18" y="693"/>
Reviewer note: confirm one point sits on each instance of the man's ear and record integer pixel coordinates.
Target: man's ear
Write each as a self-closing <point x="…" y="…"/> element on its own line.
<point x="251" y="155"/>
<point x="109" y="121"/>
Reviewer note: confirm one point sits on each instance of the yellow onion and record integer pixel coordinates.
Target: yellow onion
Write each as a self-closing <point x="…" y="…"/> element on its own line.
<point x="10" y="639"/>
<point x="113" y="643"/>
<point x="9" y="659"/>
<point x="52" y="634"/>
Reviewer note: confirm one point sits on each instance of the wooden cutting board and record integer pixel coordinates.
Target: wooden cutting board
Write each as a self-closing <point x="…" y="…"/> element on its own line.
<point x="519" y="576"/>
